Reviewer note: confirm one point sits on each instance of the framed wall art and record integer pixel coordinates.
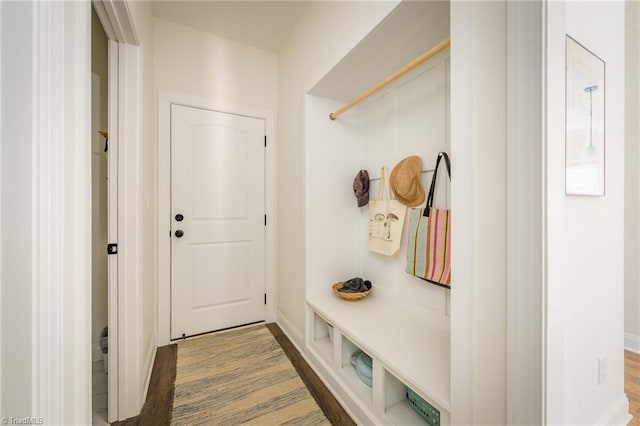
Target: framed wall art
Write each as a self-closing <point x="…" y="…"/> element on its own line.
<point x="585" y="121"/>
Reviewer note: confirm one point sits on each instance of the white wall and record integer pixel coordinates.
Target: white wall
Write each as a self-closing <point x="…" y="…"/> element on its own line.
<point x="16" y="166"/>
<point x="324" y="34"/>
<point x="632" y="179"/>
<point x="585" y="235"/>
<point x="195" y="63"/>
<point x="409" y="117"/>
<point x="332" y="152"/>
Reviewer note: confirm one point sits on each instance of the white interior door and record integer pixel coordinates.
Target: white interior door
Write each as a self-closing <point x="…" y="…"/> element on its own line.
<point x="217" y="220"/>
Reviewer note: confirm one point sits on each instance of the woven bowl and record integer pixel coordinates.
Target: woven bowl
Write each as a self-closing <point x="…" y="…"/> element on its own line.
<point x="351" y="297"/>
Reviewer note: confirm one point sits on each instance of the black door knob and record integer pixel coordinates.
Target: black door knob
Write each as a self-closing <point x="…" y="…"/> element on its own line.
<point x="179" y="233"/>
<point x="179" y="217"/>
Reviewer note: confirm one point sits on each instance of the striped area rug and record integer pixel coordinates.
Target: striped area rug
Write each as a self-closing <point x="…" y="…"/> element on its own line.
<point x="240" y="377"/>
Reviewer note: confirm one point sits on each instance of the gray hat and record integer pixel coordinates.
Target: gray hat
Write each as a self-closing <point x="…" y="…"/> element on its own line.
<point x="361" y="187"/>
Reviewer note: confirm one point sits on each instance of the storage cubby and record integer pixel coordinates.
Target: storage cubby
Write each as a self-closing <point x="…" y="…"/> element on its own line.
<point x="398" y="410"/>
<point x="348" y="371"/>
<point x="322" y="338"/>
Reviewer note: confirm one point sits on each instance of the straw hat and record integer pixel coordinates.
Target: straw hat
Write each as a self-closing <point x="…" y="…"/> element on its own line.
<point x="406" y="181"/>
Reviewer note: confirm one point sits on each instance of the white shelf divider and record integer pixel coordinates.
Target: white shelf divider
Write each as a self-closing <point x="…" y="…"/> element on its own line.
<point x="321" y="340"/>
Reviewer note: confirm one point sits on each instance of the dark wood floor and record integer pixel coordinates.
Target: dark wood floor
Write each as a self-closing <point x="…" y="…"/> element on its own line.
<point x="329" y="405"/>
<point x="632" y="384"/>
<point x="158" y="406"/>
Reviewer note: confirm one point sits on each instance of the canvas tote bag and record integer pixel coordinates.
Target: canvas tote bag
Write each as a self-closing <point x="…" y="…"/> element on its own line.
<point x="429" y="246"/>
<point x="386" y="219"/>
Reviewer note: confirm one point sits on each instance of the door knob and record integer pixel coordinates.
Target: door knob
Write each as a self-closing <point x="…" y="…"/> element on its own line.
<point x="179" y="233"/>
<point x="179" y="217"/>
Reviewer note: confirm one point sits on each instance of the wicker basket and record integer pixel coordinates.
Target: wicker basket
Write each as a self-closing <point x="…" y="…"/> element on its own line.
<point x="351" y="297"/>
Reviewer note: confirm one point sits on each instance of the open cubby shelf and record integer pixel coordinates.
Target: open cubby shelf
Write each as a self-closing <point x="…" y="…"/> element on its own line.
<point x="397" y="408"/>
<point x="322" y="338"/>
<point x="348" y="371"/>
<point x="407" y="349"/>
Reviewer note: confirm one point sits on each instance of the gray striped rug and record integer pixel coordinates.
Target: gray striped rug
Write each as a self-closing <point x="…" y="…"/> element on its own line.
<point x="240" y="377"/>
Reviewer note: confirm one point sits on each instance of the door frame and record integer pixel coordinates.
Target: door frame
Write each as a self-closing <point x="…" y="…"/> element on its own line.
<point x="165" y="99"/>
<point x="129" y="363"/>
<point x="60" y="224"/>
<point x="526" y="234"/>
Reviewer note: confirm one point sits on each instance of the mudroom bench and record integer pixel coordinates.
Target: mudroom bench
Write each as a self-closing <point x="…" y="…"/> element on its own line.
<point x="406" y="350"/>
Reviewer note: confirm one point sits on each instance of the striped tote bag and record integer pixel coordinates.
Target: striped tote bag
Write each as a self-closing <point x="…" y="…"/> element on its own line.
<point x="429" y="246"/>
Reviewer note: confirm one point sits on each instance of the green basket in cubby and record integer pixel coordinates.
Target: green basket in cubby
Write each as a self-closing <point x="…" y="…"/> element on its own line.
<point x="428" y="412"/>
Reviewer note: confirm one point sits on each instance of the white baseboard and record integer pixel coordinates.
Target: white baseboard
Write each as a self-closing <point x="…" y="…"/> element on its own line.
<point x="617" y="414"/>
<point x="292" y="332"/>
<point x="632" y="342"/>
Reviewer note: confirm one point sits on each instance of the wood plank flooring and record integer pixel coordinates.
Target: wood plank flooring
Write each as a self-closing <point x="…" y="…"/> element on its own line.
<point x="158" y="406"/>
<point x="632" y="384"/>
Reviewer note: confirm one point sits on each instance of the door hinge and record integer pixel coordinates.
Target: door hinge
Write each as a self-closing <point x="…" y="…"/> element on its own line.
<point x="265" y="140"/>
<point x="265" y="220"/>
<point x="112" y="248"/>
<point x="265" y="298"/>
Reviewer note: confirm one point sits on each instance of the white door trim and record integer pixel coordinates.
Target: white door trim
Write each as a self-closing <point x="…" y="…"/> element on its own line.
<point x="1" y="208"/>
<point x="61" y="365"/>
<point x="462" y="303"/>
<point x="116" y="20"/>
<point x="165" y="99"/>
<point x="131" y="389"/>
<point x="525" y="214"/>
<point x="130" y="368"/>
<point x="112" y="233"/>
<point x="61" y="219"/>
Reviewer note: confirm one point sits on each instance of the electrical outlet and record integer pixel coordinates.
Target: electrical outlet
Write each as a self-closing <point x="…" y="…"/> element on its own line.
<point x="602" y="370"/>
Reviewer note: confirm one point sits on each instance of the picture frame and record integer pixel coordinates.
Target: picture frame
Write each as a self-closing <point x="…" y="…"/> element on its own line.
<point x="584" y="121"/>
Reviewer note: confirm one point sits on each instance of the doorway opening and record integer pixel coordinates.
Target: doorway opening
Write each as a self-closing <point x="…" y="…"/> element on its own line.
<point x="99" y="221"/>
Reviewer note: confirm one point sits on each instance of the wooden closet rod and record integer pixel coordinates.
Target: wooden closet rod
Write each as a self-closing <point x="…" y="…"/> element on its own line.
<point x="421" y="171"/>
<point x="402" y="71"/>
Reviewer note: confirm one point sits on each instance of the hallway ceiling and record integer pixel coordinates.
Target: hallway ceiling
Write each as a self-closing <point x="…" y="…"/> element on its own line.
<point x="263" y="24"/>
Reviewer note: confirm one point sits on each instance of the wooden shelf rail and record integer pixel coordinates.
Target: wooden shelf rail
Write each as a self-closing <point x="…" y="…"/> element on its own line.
<point x="402" y="71"/>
